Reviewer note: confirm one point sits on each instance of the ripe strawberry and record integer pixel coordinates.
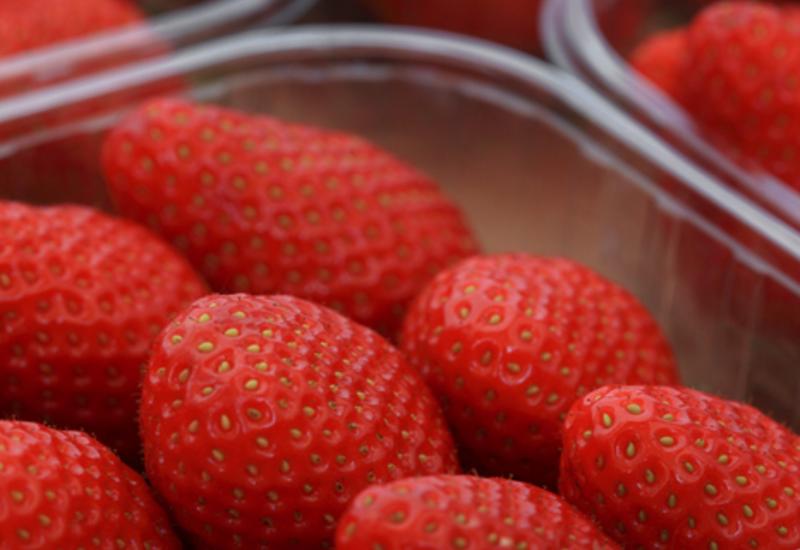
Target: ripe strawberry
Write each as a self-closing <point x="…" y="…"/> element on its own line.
<point x="509" y="342"/>
<point x="665" y="467"/>
<point x="452" y="511"/>
<point x="262" y="206"/>
<point x="65" y="490"/>
<point x="33" y="24"/>
<point x="742" y="87"/>
<point x="263" y="416"/>
<point x="662" y="60"/>
<point x="82" y="296"/>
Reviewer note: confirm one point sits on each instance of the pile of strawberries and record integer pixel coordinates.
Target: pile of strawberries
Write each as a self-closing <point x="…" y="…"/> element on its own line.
<point x="356" y="370"/>
<point x="291" y="339"/>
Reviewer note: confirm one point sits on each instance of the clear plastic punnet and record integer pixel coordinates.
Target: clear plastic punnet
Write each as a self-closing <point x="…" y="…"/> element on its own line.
<point x="539" y="161"/>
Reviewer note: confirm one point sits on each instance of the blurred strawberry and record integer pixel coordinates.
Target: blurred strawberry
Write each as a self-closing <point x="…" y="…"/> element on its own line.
<point x="65" y="490"/>
<point x="666" y="468"/>
<point x="32" y="24"/>
<point x="662" y="60"/>
<point x="742" y="86"/>
<point x="509" y="342"/>
<point x="262" y="417"/>
<point x="82" y="296"/>
<point x="262" y="206"/>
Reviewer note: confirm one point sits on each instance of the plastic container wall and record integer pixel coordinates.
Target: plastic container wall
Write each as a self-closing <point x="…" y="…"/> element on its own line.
<point x="539" y="161"/>
<point x="170" y="24"/>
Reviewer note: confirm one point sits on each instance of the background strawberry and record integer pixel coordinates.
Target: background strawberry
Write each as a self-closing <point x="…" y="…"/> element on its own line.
<point x="742" y="89"/>
<point x="449" y="511"/>
<point x="662" y="60"/>
<point x="82" y="296"/>
<point x="675" y="468"/>
<point x="65" y="490"/>
<point x="508" y="342"/>
<point x="262" y="206"/>
<point x="35" y="23"/>
<point x="263" y="416"/>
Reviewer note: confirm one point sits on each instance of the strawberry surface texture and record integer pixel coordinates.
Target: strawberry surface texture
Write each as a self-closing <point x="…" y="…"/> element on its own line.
<point x="82" y="297"/>
<point x="262" y="417"/>
<point x="262" y="206"/>
<point x="63" y="489"/>
<point x="508" y="342"/>
<point x="30" y="24"/>
<point x="662" y="467"/>
<point x="451" y="511"/>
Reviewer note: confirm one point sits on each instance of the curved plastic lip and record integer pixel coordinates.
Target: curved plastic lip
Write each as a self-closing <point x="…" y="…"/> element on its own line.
<point x="332" y="42"/>
<point x="574" y="41"/>
<point x="175" y="28"/>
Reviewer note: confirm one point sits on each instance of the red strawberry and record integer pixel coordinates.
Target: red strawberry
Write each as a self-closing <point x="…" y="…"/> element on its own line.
<point x="676" y="468"/>
<point x="65" y="490"/>
<point x="263" y="416"/>
<point x="451" y="511"/>
<point x="662" y="60"/>
<point x="509" y="342"/>
<point x="82" y="296"/>
<point x="32" y="24"/>
<point x="263" y="206"/>
<point x="742" y="87"/>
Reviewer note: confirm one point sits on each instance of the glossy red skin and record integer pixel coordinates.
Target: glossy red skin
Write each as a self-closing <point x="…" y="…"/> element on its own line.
<point x="605" y="477"/>
<point x="33" y="24"/>
<point x="311" y="370"/>
<point x="458" y="511"/>
<point x="662" y="60"/>
<point x="506" y="382"/>
<point x="741" y="89"/>
<point x="82" y="297"/>
<point x="260" y="206"/>
<point x="66" y="490"/>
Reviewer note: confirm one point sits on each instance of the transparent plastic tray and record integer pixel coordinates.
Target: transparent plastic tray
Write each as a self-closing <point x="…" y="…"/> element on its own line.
<point x="539" y="161"/>
<point x="576" y="39"/>
<point x="171" y="24"/>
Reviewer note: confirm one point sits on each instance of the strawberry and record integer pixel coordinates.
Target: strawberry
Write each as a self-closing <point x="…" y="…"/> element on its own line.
<point x="65" y="490"/>
<point x="664" y="467"/>
<point x="662" y="60"/>
<point x="452" y="511"/>
<point x="82" y="296"/>
<point x="508" y="342"/>
<point x="262" y="206"/>
<point x="262" y="417"/>
<point x="742" y="87"/>
<point x="33" y="24"/>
